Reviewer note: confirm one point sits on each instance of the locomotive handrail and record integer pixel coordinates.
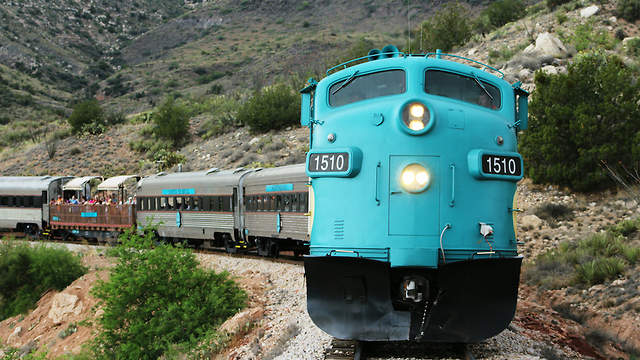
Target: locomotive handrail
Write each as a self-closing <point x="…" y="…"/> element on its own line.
<point x="344" y="251"/>
<point x="487" y="253"/>
<point x="439" y="54"/>
<point x="369" y="57"/>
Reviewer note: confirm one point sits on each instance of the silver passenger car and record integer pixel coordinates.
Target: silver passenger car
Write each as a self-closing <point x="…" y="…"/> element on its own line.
<point x="24" y="201"/>
<point x="276" y="207"/>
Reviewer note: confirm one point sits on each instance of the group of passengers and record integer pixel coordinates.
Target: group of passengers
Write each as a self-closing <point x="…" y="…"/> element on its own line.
<point x="96" y="200"/>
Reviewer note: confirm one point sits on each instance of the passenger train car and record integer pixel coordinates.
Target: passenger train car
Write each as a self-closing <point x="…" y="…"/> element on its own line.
<point x="413" y="164"/>
<point x="24" y="199"/>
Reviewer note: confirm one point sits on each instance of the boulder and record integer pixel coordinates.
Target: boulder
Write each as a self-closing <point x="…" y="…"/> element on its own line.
<point x="531" y="222"/>
<point x="589" y="11"/>
<point x="63" y="306"/>
<point x="550" y="45"/>
<point x="15" y="335"/>
<point x="550" y="69"/>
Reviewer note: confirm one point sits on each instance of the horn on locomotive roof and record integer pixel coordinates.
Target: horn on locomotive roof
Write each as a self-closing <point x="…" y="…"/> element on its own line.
<point x="374" y="54"/>
<point x="388" y="51"/>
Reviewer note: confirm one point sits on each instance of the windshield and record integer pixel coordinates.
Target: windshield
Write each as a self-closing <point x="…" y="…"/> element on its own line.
<point x="356" y="88"/>
<point x="465" y="88"/>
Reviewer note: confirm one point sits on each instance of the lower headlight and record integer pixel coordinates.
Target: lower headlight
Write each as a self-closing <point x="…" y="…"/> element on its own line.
<point x="415" y="178"/>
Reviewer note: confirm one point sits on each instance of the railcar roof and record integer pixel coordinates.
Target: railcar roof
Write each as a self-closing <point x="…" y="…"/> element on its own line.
<point x="195" y="179"/>
<point x="114" y="183"/>
<point x="27" y="182"/>
<point x="277" y="175"/>
<point x="78" y="183"/>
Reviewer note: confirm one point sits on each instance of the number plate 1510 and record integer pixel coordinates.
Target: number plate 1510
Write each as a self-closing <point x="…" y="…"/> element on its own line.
<point x="328" y="162"/>
<point x="501" y="165"/>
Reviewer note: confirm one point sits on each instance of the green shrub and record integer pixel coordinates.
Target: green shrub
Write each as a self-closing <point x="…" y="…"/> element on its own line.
<point x="585" y="37"/>
<point x="628" y="10"/>
<point x="579" y="119"/>
<point x="633" y="47"/>
<point x="168" y="159"/>
<point x="26" y="272"/>
<point x="172" y="122"/>
<point x="502" y="12"/>
<point x="271" y="108"/>
<point x="448" y="28"/>
<point x="552" y="4"/>
<point x="157" y="299"/>
<point x="88" y="113"/>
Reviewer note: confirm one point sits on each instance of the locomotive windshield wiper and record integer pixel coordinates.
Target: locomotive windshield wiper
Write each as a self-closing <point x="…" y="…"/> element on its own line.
<point x="482" y="86"/>
<point x="346" y="82"/>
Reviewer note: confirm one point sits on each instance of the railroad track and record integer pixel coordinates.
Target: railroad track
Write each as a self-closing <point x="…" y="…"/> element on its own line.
<point x="358" y="350"/>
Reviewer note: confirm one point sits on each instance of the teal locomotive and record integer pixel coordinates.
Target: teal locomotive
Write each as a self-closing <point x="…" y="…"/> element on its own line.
<point x="413" y="166"/>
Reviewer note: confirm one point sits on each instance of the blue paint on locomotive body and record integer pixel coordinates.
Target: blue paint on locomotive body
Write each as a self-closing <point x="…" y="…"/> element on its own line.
<point x="413" y="163"/>
<point x="405" y="228"/>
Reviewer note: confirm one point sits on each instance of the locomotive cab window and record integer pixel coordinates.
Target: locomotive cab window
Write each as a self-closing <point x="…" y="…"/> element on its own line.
<point x="356" y="88"/>
<point x="466" y="88"/>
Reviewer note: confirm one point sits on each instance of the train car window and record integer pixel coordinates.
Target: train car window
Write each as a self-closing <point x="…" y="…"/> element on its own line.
<point x="278" y="202"/>
<point x="304" y="205"/>
<point x="196" y="203"/>
<point x="294" y="202"/>
<point x="37" y="201"/>
<point x="16" y="201"/>
<point x="170" y="203"/>
<point x="163" y="203"/>
<point x="179" y="202"/>
<point x="368" y="86"/>
<point x="4" y="201"/>
<point x="287" y="202"/>
<point x="465" y="88"/>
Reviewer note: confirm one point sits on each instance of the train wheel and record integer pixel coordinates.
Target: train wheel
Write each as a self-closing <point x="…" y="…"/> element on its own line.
<point x="31" y="230"/>
<point x="274" y="251"/>
<point x="262" y="246"/>
<point x="229" y="245"/>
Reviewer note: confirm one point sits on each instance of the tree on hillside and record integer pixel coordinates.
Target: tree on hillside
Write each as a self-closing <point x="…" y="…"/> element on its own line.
<point x="448" y="28"/>
<point x="85" y="115"/>
<point x="503" y="12"/>
<point x="582" y="118"/>
<point x="172" y="122"/>
<point x="271" y="108"/>
<point x="628" y="10"/>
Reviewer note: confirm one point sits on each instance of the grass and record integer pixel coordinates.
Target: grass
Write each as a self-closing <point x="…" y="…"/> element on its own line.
<point x="594" y="260"/>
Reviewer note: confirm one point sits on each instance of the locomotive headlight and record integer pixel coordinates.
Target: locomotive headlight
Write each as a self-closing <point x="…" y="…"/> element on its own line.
<point x="416" y="117"/>
<point x="414" y="178"/>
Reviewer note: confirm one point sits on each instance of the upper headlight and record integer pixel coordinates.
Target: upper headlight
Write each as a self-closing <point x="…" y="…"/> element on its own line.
<point x="416" y="117"/>
<point x="415" y="178"/>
